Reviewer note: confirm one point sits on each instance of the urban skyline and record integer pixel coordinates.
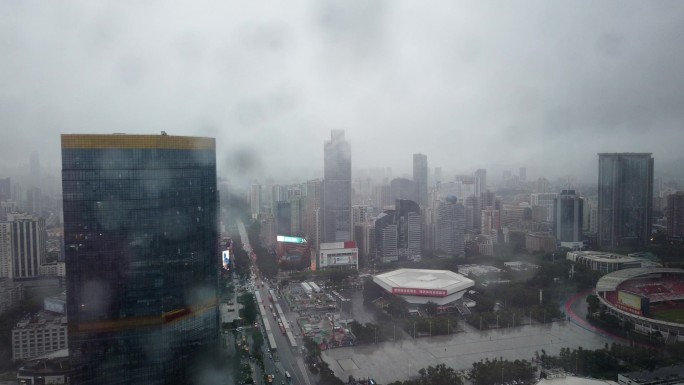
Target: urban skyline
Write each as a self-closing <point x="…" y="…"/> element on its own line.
<point x="502" y="89"/>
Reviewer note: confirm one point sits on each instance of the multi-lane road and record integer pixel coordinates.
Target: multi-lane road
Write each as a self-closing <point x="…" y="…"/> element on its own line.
<point x="285" y="357"/>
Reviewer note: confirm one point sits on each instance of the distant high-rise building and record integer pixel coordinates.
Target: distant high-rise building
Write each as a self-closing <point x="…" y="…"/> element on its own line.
<point x="383" y="196"/>
<point x="402" y="188"/>
<point x="5" y="189"/>
<point x="33" y="201"/>
<point x="625" y="202"/>
<point x="543" y="186"/>
<point x="544" y="200"/>
<point x="283" y="218"/>
<point x="589" y="219"/>
<point x="491" y="221"/>
<point x="255" y="198"/>
<point x="450" y="227"/>
<point x="438" y="174"/>
<point x="408" y="217"/>
<point x="568" y="219"/>
<point x="297" y="215"/>
<point x="675" y="215"/>
<point x="523" y="174"/>
<point x="336" y="203"/>
<point x="5" y="250"/>
<point x="420" y="177"/>
<point x="360" y="214"/>
<point x="141" y="243"/>
<point x="35" y="169"/>
<point x="398" y="233"/>
<point x="480" y="181"/>
<point x="473" y="219"/>
<point x="24" y="236"/>
<point x="386" y="237"/>
<point x="313" y="223"/>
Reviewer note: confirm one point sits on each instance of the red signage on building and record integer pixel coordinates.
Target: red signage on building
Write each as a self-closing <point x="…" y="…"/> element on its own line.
<point x="419" y="292"/>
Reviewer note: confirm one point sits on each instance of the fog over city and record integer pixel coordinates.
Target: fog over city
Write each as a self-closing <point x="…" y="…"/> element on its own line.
<point x="499" y="85"/>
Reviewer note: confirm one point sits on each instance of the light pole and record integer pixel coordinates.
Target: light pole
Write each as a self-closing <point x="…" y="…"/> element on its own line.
<point x="502" y="374"/>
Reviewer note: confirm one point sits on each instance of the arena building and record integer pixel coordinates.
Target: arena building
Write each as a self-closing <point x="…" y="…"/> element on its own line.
<point x="420" y="286"/>
<point x="608" y="262"/>
<point x="652" y="299"/>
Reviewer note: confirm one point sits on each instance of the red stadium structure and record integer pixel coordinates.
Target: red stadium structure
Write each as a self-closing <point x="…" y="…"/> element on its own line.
<point x="649" y="298"/>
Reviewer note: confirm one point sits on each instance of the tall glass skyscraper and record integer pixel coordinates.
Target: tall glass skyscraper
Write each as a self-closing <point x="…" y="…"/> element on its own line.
<point x="420" y="176"/>
<point x="568" y="212"/>
<point x="141" y="242"/>
<point x="625" y="205"/>
<point x="336" y="202"/>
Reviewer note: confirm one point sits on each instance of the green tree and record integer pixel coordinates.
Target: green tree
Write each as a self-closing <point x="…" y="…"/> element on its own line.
<point x="249" y="308"/>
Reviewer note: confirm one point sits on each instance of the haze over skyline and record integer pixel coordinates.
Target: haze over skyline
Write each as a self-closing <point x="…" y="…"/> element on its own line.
<point x="535" y="84"/>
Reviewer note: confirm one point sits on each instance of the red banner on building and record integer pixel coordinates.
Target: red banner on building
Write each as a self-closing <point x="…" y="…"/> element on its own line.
<point x="419" y="292"/>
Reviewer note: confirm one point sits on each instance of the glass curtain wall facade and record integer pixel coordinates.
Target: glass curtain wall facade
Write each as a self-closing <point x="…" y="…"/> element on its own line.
<point x="336" y="201"/>
<point x="141" y="243"/>
<point x="568" y="219"/>
<point x="625" y="206"/>
<point x="420" y="177"/>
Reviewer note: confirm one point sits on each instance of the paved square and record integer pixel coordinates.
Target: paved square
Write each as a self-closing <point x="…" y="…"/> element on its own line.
<point x="392" y="361"/>
<point x="347" y="364"/>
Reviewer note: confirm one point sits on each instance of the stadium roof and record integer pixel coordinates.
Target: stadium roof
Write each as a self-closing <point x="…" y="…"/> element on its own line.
<point x="425" y="279"/>
<point x="611" y="281"/>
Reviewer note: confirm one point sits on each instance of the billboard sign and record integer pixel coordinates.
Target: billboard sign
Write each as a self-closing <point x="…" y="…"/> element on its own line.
<point x="226" y="259"/>
<point x="341" y="260"/>
<point x="419" y="292"/>
<point x="629" y="302"/>
<point x="286" y="239"/>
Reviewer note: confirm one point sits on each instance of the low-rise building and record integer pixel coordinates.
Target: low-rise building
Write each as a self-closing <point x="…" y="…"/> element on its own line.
<point x="608" y="262"/>
<point x="663" y="376"/>
<point x="344" y="255"/>
<point x="540" y="242"/>
<point x="11" y="293"/>
<point x="43" y="332"/>
<point x="420" y="286"/>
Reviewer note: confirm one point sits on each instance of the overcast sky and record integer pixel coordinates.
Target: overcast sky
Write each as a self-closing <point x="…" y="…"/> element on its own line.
<point x="500" y="84"/>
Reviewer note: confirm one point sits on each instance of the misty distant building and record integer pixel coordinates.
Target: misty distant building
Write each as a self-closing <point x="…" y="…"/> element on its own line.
<point x="544" y="200"/>
<point x="33" y="201"/>
<point x="450" y="227"/>
<point x="141" y="244"/>
<point x="336" y="203"/>
<point x="398" y="233"/>
<point x="283" y="218"/>
<point x="297" y="215"/>
<point x="675" y="215"/>
<point x="255" y="199"/>
<point x="313" y="200"/>
<point x="420" y="177"/>
<point x="5" y="189"/>
<point x="523" y="174"/>
<point x="402" y="188"/>
<point x="568" y="219"/>
<point x="480" y="181"/>
<point x="625" y="205"/>
<point x="35" y="169"/>
<point x="386" y="237"/>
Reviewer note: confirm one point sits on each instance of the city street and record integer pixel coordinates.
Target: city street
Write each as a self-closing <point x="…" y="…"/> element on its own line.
<point x="285" y="357"/>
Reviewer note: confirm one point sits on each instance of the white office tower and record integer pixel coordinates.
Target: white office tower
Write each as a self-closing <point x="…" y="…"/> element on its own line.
<point x="25" y="236"/>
